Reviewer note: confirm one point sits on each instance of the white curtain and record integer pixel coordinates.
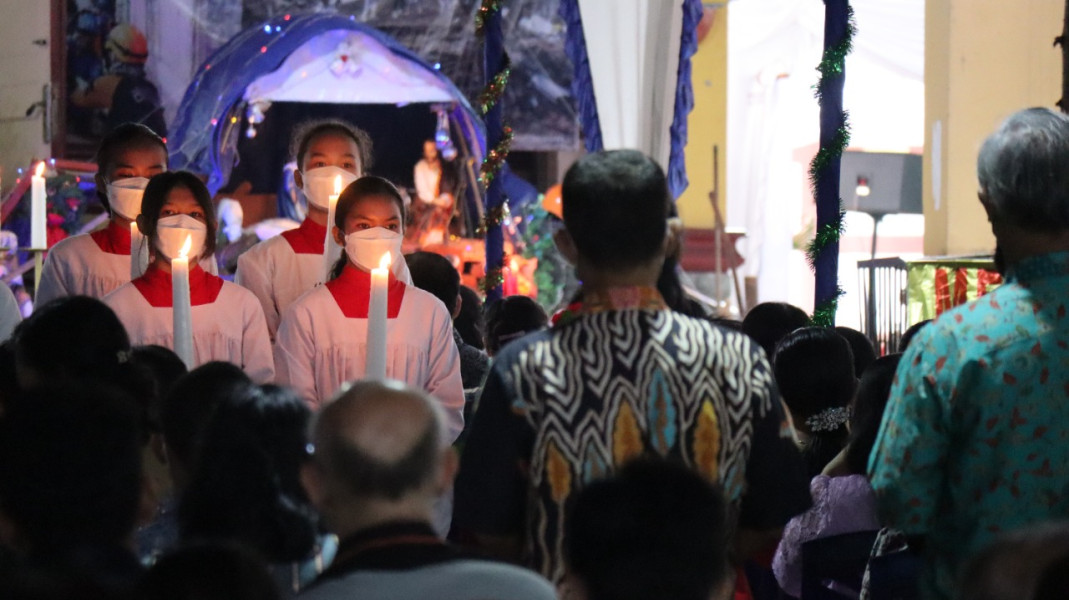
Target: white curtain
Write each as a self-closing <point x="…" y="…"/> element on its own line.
<point x="633" y="48"/>
<point x="774" y="47"/>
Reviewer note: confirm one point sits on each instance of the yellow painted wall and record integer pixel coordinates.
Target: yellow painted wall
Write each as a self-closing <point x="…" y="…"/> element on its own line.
<point x="707" y="124"/>
<point x="984" y="59"/>
<point x="24" y="71"/>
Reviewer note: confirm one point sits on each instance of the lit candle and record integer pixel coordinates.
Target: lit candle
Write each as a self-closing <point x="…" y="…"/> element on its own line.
<point x="38" y="210"/>
<point x="181" y="306"/>
<point x="331" y="249"/>
<point x="138" y="252"/>
<point x="375" y="367"/>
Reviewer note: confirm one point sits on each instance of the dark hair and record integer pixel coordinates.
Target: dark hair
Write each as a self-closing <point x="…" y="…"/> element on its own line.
<point x="471" y="323"/>
<point x="162" y="368"/>
<point x="74" y="337"/>
<point x="727" y="323"/>
<point x="768" y="323"/>
<point x="1015" y="564"/>
<point x="615" y="206"/>
<point x="246" y="484"/>
<point x="156" y="192"/>
<point x="511" y="318"/>
<point x="364" y="187"/>
<point x="654" y="530"/>
<point x="70" y="469"/>
<point x="861" y="346"/>
<point x="208" y="571"/>
<point x="363" y="474"/>
<point x="307" y="131"/>
<point x="191" y="402"/>
<point x="125" y="136"/>
<point x="867" y="413"/>
<point x="435" y="274"/>
<point x="814" y="370"/>
<point x="910" y="333"/>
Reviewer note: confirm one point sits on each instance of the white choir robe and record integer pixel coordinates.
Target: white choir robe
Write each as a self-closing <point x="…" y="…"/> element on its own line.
<point x="281" y="269"/>
<point x="10" y="316"/>
<point x="228" y="323"/>
<point x="91" y="264"/>
<point x="322" y="342"/>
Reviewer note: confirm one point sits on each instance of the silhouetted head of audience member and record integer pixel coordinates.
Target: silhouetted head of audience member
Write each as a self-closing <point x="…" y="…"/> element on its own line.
<point x="910" y="333"/>
<point x="9" y="384"/>
<point x="381" y="455"/>
<point x="866" y="412"/>
<point x="71" y="338"/>
<point x="861" y="346"/>
<point x="470" y="323"/>
<point x="245" y="487"/>
<point x="208" y="571"/>
<point x="615" y="205"/>
<point x="510" y="319"/>
<point x="71" y="480"/>
<point x="188" y="409"/>
<point x="814" y="370"/>
<point x="654" y="530"/>
<point x="769" y="322"/>
<point x="435" y="274"/>
<point x="1015" y="564"/>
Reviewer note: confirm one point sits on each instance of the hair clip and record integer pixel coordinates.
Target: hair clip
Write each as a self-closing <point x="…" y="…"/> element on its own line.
<point x="828" y="419"/>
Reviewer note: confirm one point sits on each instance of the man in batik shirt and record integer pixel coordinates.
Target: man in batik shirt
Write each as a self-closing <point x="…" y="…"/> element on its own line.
<point x="975" y="440"/>
<point x="623" y="377"/>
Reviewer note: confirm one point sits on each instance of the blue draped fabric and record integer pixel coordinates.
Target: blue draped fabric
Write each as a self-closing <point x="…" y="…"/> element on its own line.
<point x="583" y="87"/>
<point x="211" y="116"/>
<point x="677" y="164"/>
<point x="582" y="83"/>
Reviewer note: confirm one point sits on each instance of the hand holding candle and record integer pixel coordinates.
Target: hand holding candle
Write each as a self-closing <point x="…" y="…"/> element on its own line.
<point x="375" y="367"/>
<point x="38" y="210"/>
<point x="331" y="249"/>
<point x="182" y="306"/>
<point x="137" y="248"/>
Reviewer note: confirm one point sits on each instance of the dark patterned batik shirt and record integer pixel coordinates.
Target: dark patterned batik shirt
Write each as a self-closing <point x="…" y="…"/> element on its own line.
<point x="622" y="378"/>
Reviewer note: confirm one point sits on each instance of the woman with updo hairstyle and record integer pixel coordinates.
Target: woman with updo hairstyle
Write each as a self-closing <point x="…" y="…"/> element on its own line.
<point x="814" y="370"/>
<point x="228" y="322"/>
<point x="322" y="339"/>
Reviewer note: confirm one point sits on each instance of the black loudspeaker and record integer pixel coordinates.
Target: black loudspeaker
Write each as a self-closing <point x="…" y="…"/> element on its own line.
<point x="892" y="180"/>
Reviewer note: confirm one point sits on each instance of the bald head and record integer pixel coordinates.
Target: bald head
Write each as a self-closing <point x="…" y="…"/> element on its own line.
<point x="380" y="441"/>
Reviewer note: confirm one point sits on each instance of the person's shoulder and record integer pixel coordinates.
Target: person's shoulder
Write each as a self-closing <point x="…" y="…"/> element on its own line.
<point x="310" y="301"/>
<point x="425" y="301"/>
<point x="263" y="250"/>
<point x="231" y="292"/>
<point x="122" y="295"/>
<point x="75" y="247"/>
<point x="509" y="581"/>
<point x="713" y="337"/>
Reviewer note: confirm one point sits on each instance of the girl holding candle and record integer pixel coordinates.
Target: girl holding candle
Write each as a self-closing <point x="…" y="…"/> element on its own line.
<point x="95" y="264"/>
<point x="280" y="269"/>
<point x="225" y="320"/>
<point x="323" y="337"/>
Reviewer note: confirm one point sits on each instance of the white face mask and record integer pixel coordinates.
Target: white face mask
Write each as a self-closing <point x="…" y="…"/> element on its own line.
<point x="171" y="234"/>
<point x="319" y="184"/>
<point x="124" y="196"/>
<point x="367" y="246"/>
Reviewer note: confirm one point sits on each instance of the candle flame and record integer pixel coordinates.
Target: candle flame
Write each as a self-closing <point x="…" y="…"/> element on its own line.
<point x="385" y="262"/>
<point x="184" y="252"/>
<point x="40" y="170"/>
<point x="337" y="185"/>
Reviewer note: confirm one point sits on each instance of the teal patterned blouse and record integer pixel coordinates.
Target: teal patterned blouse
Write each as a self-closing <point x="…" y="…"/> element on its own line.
<point x="975" y="439"/>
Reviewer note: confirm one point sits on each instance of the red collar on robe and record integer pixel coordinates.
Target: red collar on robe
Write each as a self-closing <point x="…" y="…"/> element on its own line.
<point x="155" y="286"/>
<point x="352" y="292"/>
<point x="113" y="239"/>
<point x="309" y="238"/>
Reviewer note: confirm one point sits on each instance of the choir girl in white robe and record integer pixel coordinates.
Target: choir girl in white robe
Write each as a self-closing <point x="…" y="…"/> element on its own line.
<point x="280" y="269"/>
<point x="322" y="339"/>
<point x="228" y="323"/>
<point x="95" y="264"/>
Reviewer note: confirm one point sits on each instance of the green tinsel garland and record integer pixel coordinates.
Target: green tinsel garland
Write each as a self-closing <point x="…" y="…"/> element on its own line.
<point x="496" y="217"/>
<point x="495" y="159"/>
<point x="496" y="88"/>
<point x="832" y="64"/>
<point x="487" y="8"/>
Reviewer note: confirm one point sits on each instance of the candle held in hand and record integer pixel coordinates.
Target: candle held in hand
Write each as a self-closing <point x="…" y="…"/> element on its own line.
<point x="376" y="320"/>
<point x="331" y="249"/>
<point x="38" y="210"/>
<point x="182" y="307"/>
